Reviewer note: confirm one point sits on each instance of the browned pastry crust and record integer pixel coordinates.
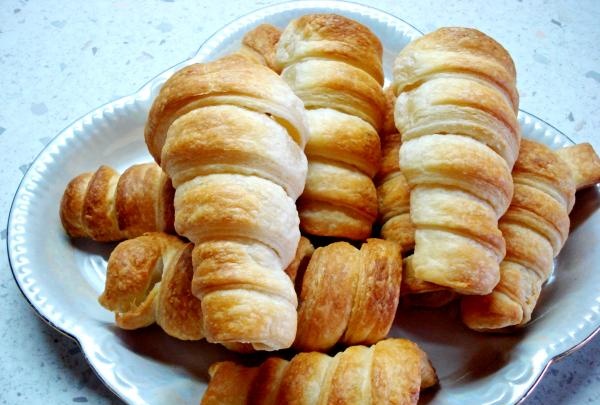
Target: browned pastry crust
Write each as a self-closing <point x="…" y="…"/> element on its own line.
<point x="391" y="372"/>
<point x="148" y="280"/>
<point x="460" y="138"/>
<point x="231" y="134"/>
<point x="106" y="206"/>
<point x="583" y="162"/>
<point x="332" y="37"/>
<point x="349" y="296"/>
<point x="339" y="198"/>
<point x="259" y="45"/>
<point x="457" y="50"/>
<point x="535" y="228"/>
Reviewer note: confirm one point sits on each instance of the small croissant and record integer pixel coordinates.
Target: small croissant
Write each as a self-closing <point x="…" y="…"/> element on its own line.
<point x="535" y="228"/>
<point x="106" y="206"/>
<point x="148" y="280"/>
<point x="393" y="371"/>
<point x="348" y="296"/>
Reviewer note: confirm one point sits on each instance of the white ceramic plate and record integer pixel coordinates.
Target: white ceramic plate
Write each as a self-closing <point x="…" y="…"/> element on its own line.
<point x="62" y="279"/>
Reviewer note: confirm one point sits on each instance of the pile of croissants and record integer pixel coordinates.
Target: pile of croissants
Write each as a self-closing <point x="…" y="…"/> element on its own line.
<point x="293" y="137"/>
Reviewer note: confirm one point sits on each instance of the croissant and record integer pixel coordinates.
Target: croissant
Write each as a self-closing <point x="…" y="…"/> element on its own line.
<point x="334" y="65"/>
<point x="349" y="296"/>
<point x="535" y="228"/>
<point x="148" y="280"/>
<point x="392" y="371"/>
<point x="231" y="134"/>
<point x="456" y="111"/>
<point x="259" y="45"/>
<point x="106" y="206"/>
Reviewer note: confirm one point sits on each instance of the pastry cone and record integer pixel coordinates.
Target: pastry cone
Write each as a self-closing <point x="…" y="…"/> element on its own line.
<point x="456" y="111"/>
<point x="391" y="372"/>
<point x="231" y="134"/>
<point x="334" y="65"/>
<point x="349" y="296"/>
<point x="535" y="227"/>
<point x="106" y="206"/>
<point x="148" y="280"/>
<point x="259" y="45"/>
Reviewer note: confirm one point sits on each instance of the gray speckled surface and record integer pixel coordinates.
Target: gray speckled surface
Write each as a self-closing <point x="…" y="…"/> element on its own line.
<point x="61" y="59"/>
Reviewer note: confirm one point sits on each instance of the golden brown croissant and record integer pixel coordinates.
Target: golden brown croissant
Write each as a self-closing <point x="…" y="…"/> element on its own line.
<point x="535" y="228"/>
<point x="334" y="65"/>
<point x="392" y="371"/>
<point x="148" y="280"/>
<point x="349" y="296"/>
<point x="231" y="134"/>
<point x="106" y="206"/>
<point x="259" y="45"/>
<point x="456" y="111"/>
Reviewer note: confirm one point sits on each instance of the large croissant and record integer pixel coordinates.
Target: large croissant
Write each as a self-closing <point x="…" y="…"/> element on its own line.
<point x="106" y="206"/>
<point x="334" y="65"/>
<point x="535" y="228"/>
<point x="231" y="134"/>
<point x="349" y="296"/>
<point x="456" y="111"/>
<point x="391" y="372"/>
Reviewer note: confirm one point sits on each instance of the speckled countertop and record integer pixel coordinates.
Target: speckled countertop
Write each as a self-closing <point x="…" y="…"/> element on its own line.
<point x="60" y="59"/>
